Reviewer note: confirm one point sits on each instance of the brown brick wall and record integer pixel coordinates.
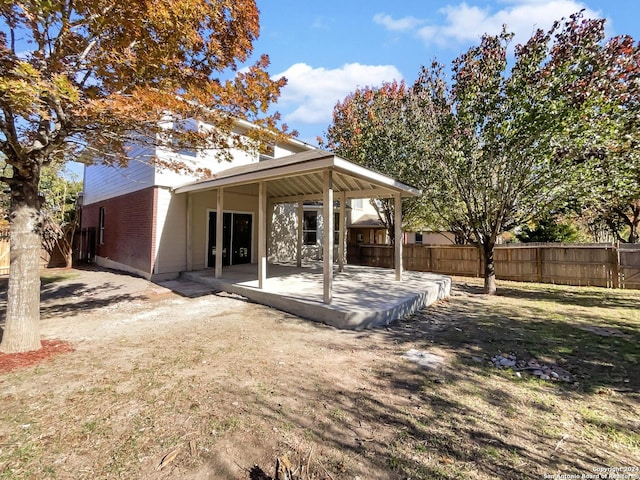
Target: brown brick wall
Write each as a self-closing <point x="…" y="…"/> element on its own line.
<point x="128" y="228"/>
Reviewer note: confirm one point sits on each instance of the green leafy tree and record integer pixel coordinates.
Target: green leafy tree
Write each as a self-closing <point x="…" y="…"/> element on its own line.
<point x="370" y="127"/>
<point x="93" y="76"/>
<point x="515" y="135"/>
<point x="549" y="229"/>
<point x="614" y="127"/>
<point x="60" y="211"/>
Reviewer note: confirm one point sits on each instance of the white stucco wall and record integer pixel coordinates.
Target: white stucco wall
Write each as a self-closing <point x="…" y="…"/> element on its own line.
<point x="360" y="209"/>
<point x="283" y="237"/>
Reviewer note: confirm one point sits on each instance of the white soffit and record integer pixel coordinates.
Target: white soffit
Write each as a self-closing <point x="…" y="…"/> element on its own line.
<point x="301" y="175"/>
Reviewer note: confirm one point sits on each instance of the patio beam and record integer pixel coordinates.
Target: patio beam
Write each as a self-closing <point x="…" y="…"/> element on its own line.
<point x="327" y="240"/>
<point x="219" y="232"/>
<point x="398" y="235"/>
<point x="262" y="234"/>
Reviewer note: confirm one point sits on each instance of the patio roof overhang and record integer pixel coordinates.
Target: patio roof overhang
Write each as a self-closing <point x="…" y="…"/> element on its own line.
<point x="301" y="176"/>
<point x="310" y="175"/>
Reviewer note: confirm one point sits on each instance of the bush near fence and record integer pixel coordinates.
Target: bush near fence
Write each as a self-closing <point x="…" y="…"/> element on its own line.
<point x="603" y="265"/>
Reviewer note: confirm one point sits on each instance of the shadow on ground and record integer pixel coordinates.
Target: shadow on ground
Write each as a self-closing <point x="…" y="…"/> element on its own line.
<point x="436" y="435"/>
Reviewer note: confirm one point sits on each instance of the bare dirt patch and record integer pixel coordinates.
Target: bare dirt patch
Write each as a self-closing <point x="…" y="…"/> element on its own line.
<point x="163" y="386"/>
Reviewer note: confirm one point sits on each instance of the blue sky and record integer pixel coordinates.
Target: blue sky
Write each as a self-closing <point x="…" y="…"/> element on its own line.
<point x="328" y="48"/>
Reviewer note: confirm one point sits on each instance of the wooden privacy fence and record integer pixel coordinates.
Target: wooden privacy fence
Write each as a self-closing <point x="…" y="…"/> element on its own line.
<point x="5" y="256"/>
<point x="603" y="265"/>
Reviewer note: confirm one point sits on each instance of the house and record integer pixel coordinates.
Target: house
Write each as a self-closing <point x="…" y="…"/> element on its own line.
<point x="156" y="223"/>
<point x="132" y="220"/>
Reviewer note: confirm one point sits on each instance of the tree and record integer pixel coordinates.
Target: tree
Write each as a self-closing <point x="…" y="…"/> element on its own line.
<point x="370" y="128"/>
<point x="59" y="211"/>
<point x="516" y="136"/>
<point x="95" y="76"/>
<point x="614" y="128"/>
<point x="549" y="229"/>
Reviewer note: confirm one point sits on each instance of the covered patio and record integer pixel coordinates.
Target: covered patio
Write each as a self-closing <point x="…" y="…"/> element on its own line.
<point x="363" y="297"/>
<point x="314" y="175"/>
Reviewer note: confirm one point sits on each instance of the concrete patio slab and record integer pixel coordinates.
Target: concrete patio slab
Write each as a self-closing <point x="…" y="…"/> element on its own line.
<point x="363" y="297"/>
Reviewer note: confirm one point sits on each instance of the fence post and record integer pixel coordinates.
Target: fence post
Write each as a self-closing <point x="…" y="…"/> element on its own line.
<point x="480" y="273"/>
<point x="615" y="265"/>
<point x="539" y="264"/>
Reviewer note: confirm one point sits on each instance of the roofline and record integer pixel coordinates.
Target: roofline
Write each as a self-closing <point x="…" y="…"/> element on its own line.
<point x="289" y="139"/>
<point x="266" y="172"/>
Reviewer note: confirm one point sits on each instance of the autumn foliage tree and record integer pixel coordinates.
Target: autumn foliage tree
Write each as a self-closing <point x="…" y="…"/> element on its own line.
<point x="384" y="128"/>
<point x="505" y="141"/>
<point x="92" y="77"/>
<point x="613" y="137"/>
<point x="369" y="128"/>
<point x="525" y="139"/>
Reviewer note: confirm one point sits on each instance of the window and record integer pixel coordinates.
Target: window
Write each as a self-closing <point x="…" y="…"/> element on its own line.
<point x="418" y="237"/>
<point x="336" y="228"/>
<point x="310" y="227"/>
<point x="356" y="203"/>
<point x="101" y="226"/>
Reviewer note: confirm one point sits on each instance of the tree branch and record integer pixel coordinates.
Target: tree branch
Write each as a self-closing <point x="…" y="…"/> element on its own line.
<point x="9" y="129"/>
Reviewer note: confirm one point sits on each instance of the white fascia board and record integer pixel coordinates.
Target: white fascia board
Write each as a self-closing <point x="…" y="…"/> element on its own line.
<point x="374" y="177"/>
<point x="263" y="174"/>
<point x="303" y="168"/>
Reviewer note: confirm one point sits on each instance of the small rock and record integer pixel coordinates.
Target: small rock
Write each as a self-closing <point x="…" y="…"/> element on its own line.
<point x="507" y="362"/>
<point x="518" y="375"/>
<point x="544" y="376"/>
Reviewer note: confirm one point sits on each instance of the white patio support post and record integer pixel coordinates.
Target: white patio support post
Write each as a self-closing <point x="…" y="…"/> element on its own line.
<point x="188" y="236"/>
<point x="219" y="232"/>
<point x="327" y="214"/>
<point x="343" y="221"/>
<point x="262" y="234"/>
<point x="398" y="235"/>
<point x="300" y="232"/>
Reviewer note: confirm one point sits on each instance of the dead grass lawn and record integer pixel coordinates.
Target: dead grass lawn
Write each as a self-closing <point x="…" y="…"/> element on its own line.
<point x="216" y="385"/>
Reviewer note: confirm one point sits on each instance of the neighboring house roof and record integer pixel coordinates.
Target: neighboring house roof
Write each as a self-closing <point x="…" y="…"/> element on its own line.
<point x="368" y="221"/>
<point x="301" y="175"/>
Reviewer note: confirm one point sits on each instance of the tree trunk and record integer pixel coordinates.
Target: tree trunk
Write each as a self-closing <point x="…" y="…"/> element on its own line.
<point x="68" y="258"/>
<point x="22" y="328"/>
<point x="634" y="223"/>
<point x="489" y="269"/>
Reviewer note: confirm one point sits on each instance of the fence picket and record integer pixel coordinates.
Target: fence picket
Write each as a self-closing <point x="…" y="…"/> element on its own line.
<point x="603" y="265"/>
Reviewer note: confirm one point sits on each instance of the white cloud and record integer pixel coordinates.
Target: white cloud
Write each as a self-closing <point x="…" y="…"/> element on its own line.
<point x="466" y="22"/>
<point x="399" y="25"/>
<point x="321" y="23"/>
<point x="311" y="93"/>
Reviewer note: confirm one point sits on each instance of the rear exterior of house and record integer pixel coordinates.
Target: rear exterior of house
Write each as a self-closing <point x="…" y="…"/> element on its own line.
<point x="133" y="221"/>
